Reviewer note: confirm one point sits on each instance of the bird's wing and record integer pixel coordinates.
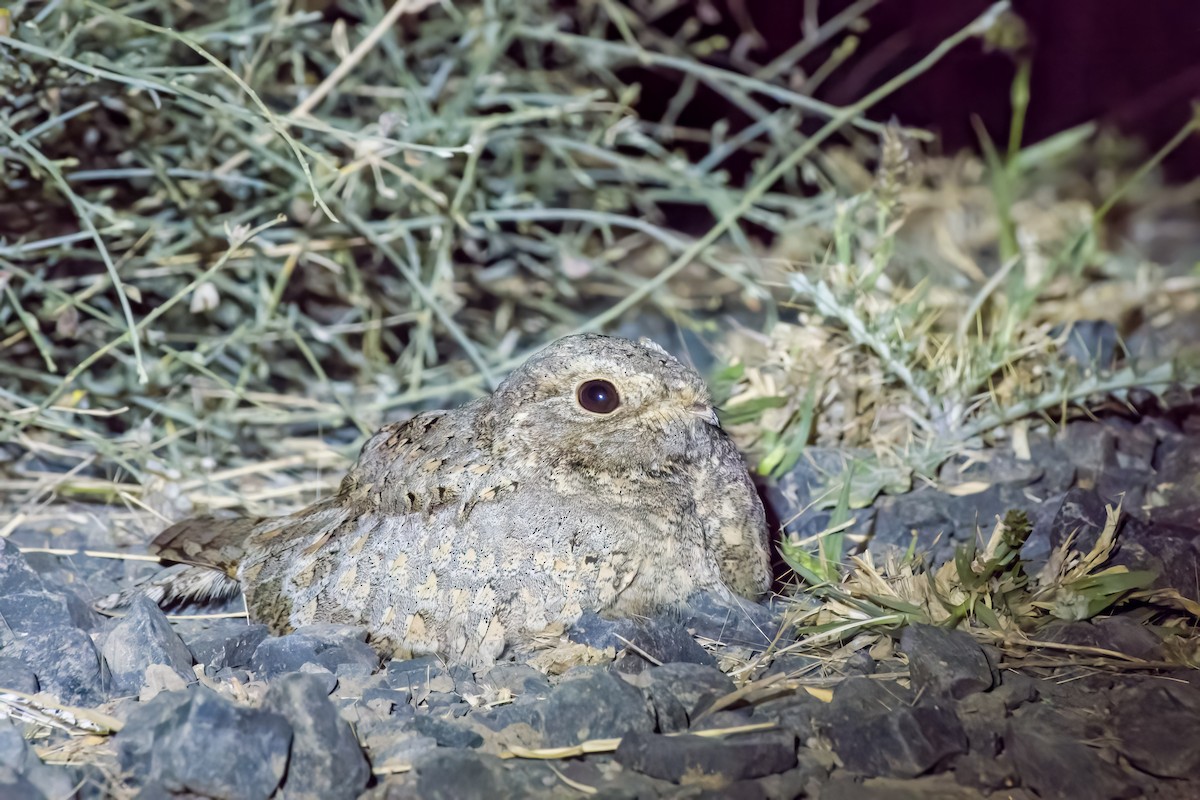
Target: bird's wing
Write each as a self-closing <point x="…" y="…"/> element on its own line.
<point x="412" y="467"/>
<point x="206" y="542"/>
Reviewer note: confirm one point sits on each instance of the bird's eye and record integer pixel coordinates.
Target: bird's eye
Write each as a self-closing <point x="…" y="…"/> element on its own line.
<point x="599" y="397"/>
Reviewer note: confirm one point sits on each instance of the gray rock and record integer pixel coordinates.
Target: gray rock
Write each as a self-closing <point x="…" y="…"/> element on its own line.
<point x="941" y="787"/>
<point x="326" y="760"/>
<point x="797" y="713"/>
<point x="945" y="662"/>
<point x="66" y="664"/>
<point x="1094" y="345"/>
<point x="1175" y="499"/>
<point x="588" y="703"/>
<point x="679" y="692"/>
<point x="988" y="773"/>
<point x="1172" y="552"/>
<point x="32" y="611"/>
<point x="27" y="605"/>
<point x="198" y="742"/>
<point x="470" y="775"/>
<point x="141" y="638"/>
<point x="1081" y="515"/>
<point x="1157" y="729"/>
<point x="812" y="769"/>
<point x="16" y="575"/>
<point x="731" y="621"/>
<point x="22" y="773"/>
<point x="1057" y="766"/>
<point x="392" y="746"/>
<point x="340" y="649"/>
<point x="993" y="466"/>
<point x="734" y="758"/>
<point x="15" y="674"/>
<point x="664" y="639"/>
<point x="593" y="703"/>
<point x="1119" y="634"/>
<point x="446" y="733"/>
<point x="381" y="696"/>
<point x="228" y="643"/>
<point x="876" y="730"/>
<point x="523" y="681"/>
<point x="1090" y="446"/>
<point x="924" y="511"/>
<point x="420" y="676"/>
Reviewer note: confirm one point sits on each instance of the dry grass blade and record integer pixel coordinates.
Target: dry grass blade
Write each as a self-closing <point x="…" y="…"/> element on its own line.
<point x="40" y="709"/>
<point x="610" y="745"/>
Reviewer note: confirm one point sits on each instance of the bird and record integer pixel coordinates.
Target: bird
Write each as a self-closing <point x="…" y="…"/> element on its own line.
<point x="596" y="477"/>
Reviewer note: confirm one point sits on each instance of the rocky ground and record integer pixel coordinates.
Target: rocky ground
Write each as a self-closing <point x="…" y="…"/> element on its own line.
<point x="683" y="706"/>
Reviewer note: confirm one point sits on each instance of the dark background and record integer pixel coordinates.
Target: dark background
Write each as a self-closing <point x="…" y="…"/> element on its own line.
<point x="1130" y="64"/>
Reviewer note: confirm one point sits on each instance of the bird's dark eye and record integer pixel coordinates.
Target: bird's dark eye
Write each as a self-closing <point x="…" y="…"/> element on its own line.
<point x="599" y="397"/>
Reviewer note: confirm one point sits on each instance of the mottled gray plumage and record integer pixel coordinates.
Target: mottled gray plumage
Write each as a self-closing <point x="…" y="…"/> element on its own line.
<point x="464" y="532"/>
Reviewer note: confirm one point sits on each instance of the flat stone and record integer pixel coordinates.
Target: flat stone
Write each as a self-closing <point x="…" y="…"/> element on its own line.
<point x="588" y="703"/>
<point x="1082" y="516"/>
<point x="28" y="605"/>
<point x="993" y="466"/>
<point x="987" y="773"/>
<point x="198" y="742"/>
<point x="66" y="664"/>
<point x="812" y="769"/>
<point x="326" y="760"/>
<point x="924" y="511"/>
<point x="945" y="662"/>
<point x="690" y="759"/>
<point x="141" y="638"/>
<point x="1092" y="344"/>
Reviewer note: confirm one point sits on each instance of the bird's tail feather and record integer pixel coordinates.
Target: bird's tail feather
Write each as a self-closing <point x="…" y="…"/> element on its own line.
<point x="207" y="551"/>
<point x="176" y="586"/>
